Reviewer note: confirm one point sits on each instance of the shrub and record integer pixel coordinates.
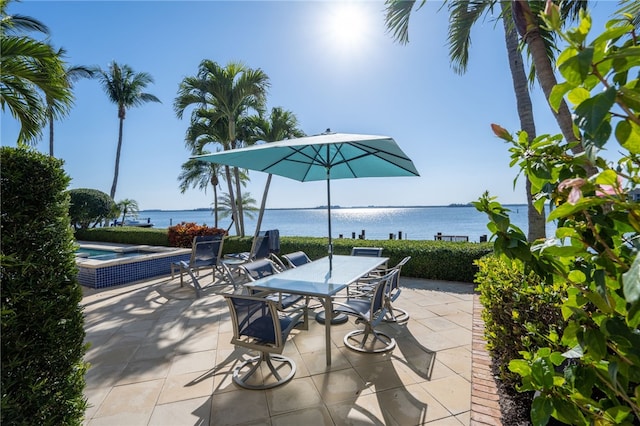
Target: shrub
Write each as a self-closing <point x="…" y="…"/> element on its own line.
<point x="125" y="235"/>
<point x="42" y="322"/>
<point x="89" y="207"/>
<point x="182" y="235"/>
<point x="595" y="376"/>
<point x="519" y="309"/>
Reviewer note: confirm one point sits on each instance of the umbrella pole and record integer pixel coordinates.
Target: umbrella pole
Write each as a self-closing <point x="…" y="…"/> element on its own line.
<point x="329" y="217"/>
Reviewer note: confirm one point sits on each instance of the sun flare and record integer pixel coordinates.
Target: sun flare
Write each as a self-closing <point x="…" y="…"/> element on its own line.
<point x="347" y="25"/>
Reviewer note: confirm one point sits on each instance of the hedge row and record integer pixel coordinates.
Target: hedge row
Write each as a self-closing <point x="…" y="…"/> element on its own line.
<point x="436" y="260"/>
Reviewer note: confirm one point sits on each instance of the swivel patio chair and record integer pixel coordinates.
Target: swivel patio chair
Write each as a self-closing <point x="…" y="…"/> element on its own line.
<point x="258" y="325"/>
<point x="263" y="268"/>
<point x="206" y="252"/>
<point x="370" y="312"/>
<point x="366" y="251"/>
<point x="265" y="245"/>
<point x="296" y="259"/>
<point x="365" y="287"/>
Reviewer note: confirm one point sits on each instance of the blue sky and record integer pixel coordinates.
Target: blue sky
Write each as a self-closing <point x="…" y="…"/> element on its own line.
<point x="351" y="78"/>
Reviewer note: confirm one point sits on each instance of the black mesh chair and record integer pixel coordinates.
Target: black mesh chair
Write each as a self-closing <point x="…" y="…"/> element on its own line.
<point x="369" y="311"/>
<point x="366" y="251"/>
<point x="263" y="268"/>
<point x="206" y="252"/>
<point x="297" y="258"/>
<point x="259" y="326"/>
<point x="365" y="287"/>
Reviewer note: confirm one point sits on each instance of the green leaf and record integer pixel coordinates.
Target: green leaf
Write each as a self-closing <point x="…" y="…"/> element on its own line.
<point x="607" y="177"/>
<point x="557" y="95"/>
<point x="595" y="343"/>
<point x="631" y="281"/>
<point x="628" y="135"/>
<point x="520" y="366"/>
<point x="618" y="414"/>
<point x="577" y="276"/>
<point x="592" y="112"/>
<point x="541" y="409"/>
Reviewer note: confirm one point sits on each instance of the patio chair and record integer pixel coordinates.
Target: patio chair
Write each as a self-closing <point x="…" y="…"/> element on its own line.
<point x="258" y="325"/>
<point x="263" y="268"/>
<point x="206" y="252"/>
<point x="296" y="259"/>
<point x="366" y="251"/>
<point x="370" y="312"/>
<point x="265" y="245"/>
<point x="365" y="287"/>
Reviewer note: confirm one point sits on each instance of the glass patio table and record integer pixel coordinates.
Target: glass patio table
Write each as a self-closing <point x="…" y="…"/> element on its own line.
<point x="314" y="279"/>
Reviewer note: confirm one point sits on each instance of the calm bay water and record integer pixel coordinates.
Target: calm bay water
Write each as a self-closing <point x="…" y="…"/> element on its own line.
<point x="415" y="223"/>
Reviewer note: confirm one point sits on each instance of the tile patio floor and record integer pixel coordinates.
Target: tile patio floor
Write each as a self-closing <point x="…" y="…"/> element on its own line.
<point x="159" y="356"/>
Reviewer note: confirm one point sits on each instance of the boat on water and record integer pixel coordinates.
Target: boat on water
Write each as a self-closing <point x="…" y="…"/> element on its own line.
<point x="133" y="222"/>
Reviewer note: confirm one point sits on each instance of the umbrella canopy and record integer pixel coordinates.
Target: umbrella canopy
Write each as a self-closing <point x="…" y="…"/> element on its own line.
<point x="326" y="156"/>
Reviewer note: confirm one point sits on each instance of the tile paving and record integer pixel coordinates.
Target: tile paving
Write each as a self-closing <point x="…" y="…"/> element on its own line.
<point x="159" y="356"/>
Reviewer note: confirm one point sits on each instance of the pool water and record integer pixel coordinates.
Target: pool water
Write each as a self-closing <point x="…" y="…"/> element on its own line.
<point x="89" y="253"/>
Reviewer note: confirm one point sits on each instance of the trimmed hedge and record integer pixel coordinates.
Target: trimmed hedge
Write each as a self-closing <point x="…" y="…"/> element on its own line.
<point x="125" y="235"/>
<point x="519" y="309"/>
<point x="42" y="322"/>
<point x="436" y="260"/>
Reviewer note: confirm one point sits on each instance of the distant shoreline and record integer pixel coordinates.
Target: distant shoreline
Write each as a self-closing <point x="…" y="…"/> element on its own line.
<point x="332" y="207"/>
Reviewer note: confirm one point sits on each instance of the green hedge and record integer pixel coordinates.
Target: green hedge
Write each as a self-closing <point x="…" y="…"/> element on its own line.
<point x="125" y="235"/>
<point x="518" y="309"/>
<point x="436" y="260"/>
<point x="42" y="322"/>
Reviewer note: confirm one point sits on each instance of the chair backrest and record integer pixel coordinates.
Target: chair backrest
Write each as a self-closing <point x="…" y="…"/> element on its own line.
<point x="296" y="259"/>
<point x="266" y="243"/>
<point x="256" y="318"/>
<point x="377" y="310"/>
<point x="206" y="249"/>
<point x="366" y="251"/>
<point x="395" y="282"/>
<point x="259" y="268"/>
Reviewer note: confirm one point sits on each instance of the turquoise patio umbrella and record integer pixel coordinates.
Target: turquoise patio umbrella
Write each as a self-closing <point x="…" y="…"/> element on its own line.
<point x="326" y="156"/>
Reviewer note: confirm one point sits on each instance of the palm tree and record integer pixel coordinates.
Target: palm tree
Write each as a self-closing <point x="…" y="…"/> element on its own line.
<point x="127" y="207"/>
<point x="201" y="174"/>
<point x="71" y="75"/>
<point x="224" y="93"/>
<point x="32" y="72"/>
<point x="463" y="14"/>
<point x="124" y="87"/>
<point x="226" y="206"/>
<point x="280" y="124"/>
<point x="529" y="25"/>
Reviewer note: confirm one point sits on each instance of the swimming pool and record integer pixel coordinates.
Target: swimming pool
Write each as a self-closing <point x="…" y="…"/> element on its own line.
<point x="107" y="265"/>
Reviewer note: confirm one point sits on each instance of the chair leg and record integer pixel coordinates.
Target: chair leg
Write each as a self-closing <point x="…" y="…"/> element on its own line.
<point x="357" y="341"/>
<point x="255" y="362"/>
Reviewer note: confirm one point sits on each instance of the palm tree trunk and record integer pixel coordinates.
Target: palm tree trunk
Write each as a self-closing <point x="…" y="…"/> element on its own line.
<point x="117" y="168"/>
<point x="236" y="171"/>
<point x="50" y="134"/>
<point x="232" y="199"/>
<point x="215" y="206"/>
<point x="527" y="25"/>
<point x="536" y="220"/>
<point x="262" y="205"/>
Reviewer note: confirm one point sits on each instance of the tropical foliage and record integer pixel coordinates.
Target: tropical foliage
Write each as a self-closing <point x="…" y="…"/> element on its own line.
<point x="590" y="373"/>
<point x="42" y="323"/>
<point x="127" y="208"/>
<point x="89" y="207"/>
<point x="125" y="88"/>
<point x="220" y="97"/>
<point x="33" y="83"/>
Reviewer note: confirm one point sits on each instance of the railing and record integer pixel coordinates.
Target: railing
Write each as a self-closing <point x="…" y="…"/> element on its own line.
<point x="452" y="238"/>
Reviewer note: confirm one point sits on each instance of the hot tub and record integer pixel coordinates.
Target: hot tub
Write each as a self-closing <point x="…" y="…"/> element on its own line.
<point x="107" y="265"/>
